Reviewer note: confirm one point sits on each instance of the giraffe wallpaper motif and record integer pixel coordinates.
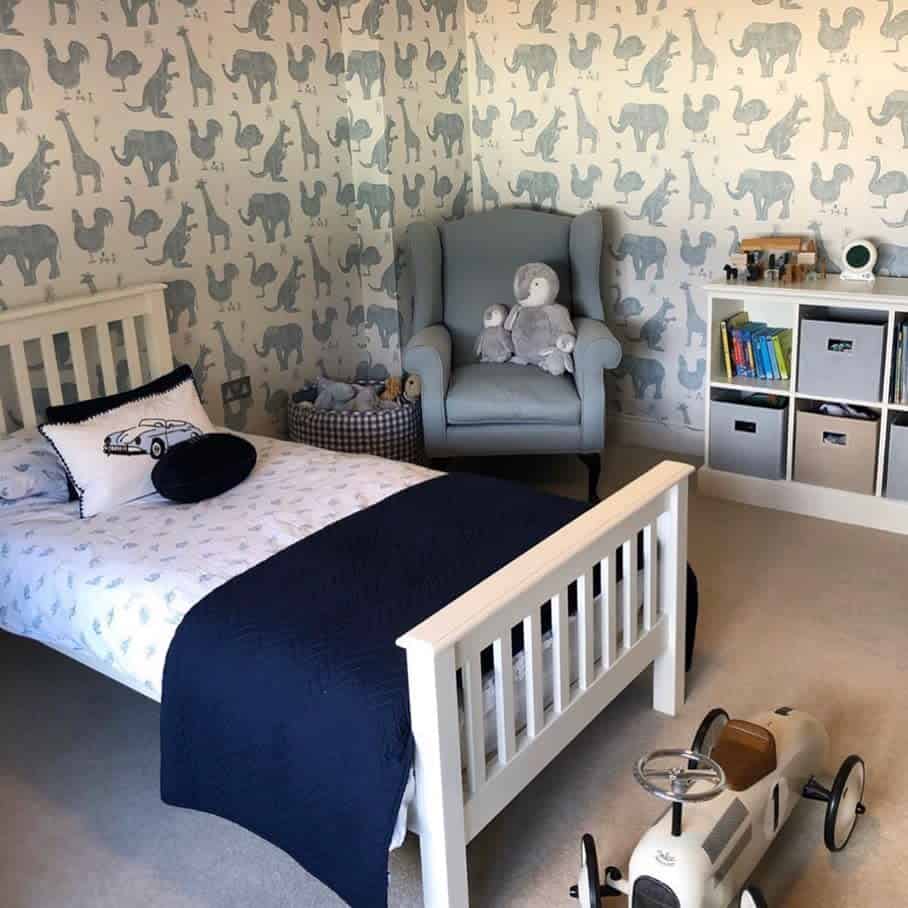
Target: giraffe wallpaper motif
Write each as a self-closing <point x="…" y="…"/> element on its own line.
<point x="691" y="125"/>
<point x="261" y="157"/>
<point x="264" y="158"/>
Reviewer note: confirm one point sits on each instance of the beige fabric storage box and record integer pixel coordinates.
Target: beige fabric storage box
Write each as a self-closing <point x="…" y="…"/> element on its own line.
<point x="897" y="470"/>
<point x="841" y="359"/>
<point x="837" y="452"/>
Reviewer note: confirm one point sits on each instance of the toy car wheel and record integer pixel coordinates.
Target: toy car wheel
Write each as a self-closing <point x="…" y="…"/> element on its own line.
<point x="845" y="803"/>
<point x="751" y="897"/>
<point x="587" y="889"/>
<point x="156" y="449"/>
<point x="708" y="733"/>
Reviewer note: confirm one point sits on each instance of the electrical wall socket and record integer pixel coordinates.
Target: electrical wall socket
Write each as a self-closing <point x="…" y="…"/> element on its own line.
<point x="238" y="389"/>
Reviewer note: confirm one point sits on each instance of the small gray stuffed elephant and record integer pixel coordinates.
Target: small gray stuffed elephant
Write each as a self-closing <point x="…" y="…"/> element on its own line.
<point x="541" y="330"/>
<point x="494" y="343"/>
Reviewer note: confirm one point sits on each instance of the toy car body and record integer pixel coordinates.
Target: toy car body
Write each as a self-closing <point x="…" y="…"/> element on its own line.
<point x="151" y="436"/>
<point x="757" y="771"/>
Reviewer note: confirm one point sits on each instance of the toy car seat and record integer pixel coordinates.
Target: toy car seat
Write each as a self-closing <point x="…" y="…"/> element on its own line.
<point x="746" y="752"/>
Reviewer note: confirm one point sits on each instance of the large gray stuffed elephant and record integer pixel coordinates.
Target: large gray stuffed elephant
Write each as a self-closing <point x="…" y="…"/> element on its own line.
<point x="537" y="60"/>
<point x="895" y="107"/>
<point x="644" y="251"/>
<point x="15" y="73"/>
<point x="771" y="41"/>
<point x="273" y="208"/>
<point x="766" y="187"/>
<point x="646" y="120"/>
<point x="540" y="186"/>
<point x="259" y="69"/>
<point x="369" y="67"/>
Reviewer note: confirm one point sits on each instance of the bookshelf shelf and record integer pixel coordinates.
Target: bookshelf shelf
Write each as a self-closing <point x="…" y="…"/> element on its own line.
<point x="754" y="386"/>
<point x="884" y="301"/>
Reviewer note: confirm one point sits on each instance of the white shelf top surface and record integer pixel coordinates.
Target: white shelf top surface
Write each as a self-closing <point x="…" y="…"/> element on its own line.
<point x="886" y="291"/>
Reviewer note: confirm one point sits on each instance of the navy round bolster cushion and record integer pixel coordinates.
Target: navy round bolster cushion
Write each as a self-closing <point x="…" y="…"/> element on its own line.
<point x="203" y="467"/>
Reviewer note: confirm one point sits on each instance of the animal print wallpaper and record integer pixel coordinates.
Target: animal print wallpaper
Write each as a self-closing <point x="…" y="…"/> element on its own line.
<point x="262" y="157"/>
<point x="692" y="124"/>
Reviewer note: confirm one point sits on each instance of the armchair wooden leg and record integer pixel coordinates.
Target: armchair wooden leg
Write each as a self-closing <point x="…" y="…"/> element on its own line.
<point x="593" y="463"/>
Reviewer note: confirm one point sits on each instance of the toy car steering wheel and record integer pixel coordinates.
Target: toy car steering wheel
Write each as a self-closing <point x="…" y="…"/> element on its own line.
<point x="680" y="778"/>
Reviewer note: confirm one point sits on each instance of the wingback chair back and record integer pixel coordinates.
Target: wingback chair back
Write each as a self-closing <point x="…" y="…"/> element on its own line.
<point x="481" y="253"/>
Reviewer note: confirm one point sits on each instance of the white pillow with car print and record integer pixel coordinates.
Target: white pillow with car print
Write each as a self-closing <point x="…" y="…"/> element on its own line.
<point x="109" y="457"/>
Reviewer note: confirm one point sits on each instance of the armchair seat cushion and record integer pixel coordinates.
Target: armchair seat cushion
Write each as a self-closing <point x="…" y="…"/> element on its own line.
<point x="503" y="393"/>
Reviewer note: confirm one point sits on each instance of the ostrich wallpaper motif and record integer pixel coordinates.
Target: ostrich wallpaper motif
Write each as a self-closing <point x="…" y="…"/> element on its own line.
<point x="253" y="160"/>
<point x="265" y="161"/>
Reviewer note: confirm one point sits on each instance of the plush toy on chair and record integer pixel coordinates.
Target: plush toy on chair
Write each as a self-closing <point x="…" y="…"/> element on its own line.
<point x="494" y="344"/>
<point x="541" y="330"/>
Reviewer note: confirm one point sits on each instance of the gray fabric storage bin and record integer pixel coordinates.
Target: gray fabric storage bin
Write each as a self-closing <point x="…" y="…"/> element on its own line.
<point x="897" y="470"/>
<point x="837" y="452"/>
<point x="748" y="438"/>
<point x="841" y="359"/>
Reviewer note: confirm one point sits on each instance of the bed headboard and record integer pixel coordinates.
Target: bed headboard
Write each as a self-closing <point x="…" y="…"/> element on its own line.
<point x="66" y="351"/>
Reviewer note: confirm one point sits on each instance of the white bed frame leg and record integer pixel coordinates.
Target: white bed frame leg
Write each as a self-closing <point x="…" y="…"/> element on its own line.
<point x="439" y="791"/>
<point x="668" y="668"/>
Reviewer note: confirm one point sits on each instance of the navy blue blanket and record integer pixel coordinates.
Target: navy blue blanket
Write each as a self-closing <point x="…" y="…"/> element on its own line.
<point x="285" y="703"/>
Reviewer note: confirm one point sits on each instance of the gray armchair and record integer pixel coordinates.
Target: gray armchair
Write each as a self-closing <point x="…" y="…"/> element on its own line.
<point x="472" y="408"/>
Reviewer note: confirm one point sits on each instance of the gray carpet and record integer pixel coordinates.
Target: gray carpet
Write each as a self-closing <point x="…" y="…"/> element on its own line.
<point x="793" y="611"/>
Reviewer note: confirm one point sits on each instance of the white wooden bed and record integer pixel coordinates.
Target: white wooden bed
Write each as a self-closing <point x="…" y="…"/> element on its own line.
<point x="457" y="793"/>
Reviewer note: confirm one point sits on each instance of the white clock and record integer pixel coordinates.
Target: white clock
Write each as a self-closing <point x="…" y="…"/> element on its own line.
<point x="858" y="261"/>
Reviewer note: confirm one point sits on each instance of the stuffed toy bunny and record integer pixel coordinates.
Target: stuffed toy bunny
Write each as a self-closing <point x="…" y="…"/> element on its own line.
<point x="541" y="330"/>
<point x="494" y="344"/>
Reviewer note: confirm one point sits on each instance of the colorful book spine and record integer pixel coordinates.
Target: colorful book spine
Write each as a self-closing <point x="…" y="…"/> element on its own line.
<point x="782" y="343"/>
<point x="726" y="349"/>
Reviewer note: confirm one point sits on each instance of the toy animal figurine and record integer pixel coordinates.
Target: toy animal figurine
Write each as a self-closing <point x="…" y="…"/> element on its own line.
<point x="748" y="777"/>
<point x="393" y="389"/>
<point x="537" y="323"/>
<point x="494" y="343"/>
<point x="413" y="388"/>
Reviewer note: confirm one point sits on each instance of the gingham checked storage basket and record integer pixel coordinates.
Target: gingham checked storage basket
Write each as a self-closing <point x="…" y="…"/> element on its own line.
<point x="395" y="434"/>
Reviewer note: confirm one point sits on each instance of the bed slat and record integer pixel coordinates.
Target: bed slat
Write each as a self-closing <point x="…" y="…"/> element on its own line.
<point x="586" y="631"/>
<point x="504" y="698"/>
<point x="105" y="351"/>
<point x="131" y="342"/>
<point x="23" y="384"/>
<point x="80" y="364"/>
<point x="532" y="650"/>
<point x="471" y="675"/>
<point x="561" y="652"/>
<point x="629" y="588"/>
<point x="609" y="626"/>
<point x="650" y="577"/>
<point x="51" y="371"/>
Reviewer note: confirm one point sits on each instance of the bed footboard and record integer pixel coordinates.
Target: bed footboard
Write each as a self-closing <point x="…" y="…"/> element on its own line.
<point x="616" y="631"/>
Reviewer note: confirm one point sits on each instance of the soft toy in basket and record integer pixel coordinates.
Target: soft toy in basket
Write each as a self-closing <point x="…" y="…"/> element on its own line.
<point x="742" y="780"/>
<point x="379" y="418"/>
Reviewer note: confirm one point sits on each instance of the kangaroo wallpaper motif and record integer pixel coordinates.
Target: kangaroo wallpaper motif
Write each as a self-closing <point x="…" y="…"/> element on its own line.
<point x="264" y="157"/>
<point x="691" y="124"/>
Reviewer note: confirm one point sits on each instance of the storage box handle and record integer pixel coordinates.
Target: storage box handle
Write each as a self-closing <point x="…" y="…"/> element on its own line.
<point x="745" y="425"/>
<point x="838" y="439"/>
<point x="839" y="345"/>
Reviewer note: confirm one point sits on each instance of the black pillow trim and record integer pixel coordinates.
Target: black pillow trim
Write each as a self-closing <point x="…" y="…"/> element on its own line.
<point x="156" y="388"/>
<point x="83" y="410"/>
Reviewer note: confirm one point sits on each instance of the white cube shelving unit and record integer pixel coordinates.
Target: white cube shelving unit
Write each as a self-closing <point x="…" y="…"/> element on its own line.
<point x="784" y="306"/>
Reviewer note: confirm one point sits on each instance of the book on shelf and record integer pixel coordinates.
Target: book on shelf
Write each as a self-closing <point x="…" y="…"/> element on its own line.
<point x="754" y="349"/>
<point x="900" y="391"/>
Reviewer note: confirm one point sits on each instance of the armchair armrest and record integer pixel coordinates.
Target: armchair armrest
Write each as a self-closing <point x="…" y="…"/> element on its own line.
<point x="596" y="350"/>
<point x="428" y="355"/>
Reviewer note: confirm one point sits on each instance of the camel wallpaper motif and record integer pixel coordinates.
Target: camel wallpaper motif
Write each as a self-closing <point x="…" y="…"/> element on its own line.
<point x="264" y="158"/>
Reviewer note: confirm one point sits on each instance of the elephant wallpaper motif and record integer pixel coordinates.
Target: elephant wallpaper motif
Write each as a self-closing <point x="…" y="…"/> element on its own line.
<point x="691" y="125"/>
<point x="262" y="158"/>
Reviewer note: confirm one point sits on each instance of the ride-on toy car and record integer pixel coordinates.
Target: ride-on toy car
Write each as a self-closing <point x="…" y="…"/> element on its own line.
<point x="748" y="776"/>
